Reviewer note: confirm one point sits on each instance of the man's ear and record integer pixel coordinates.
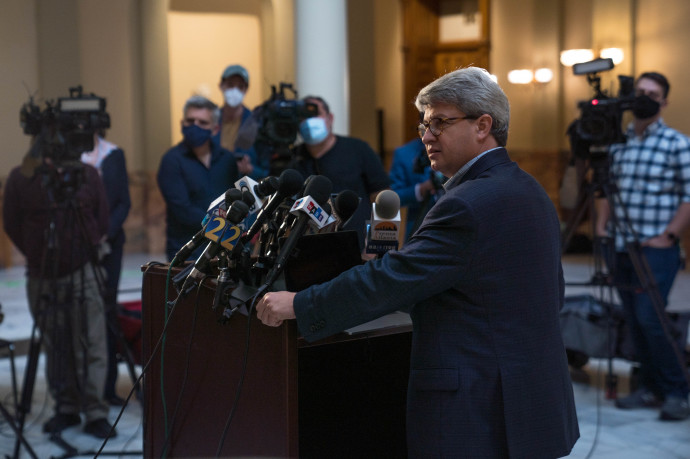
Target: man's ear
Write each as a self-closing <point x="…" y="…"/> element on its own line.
<point x="484" y="124"/>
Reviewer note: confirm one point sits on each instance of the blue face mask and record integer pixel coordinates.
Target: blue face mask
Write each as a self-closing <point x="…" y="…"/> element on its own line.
<point x="195" y="136"/>
<point x="313" y="130"/>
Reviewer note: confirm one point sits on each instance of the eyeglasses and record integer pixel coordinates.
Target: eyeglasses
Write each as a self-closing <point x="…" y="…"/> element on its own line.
<point x="436" y="125"/>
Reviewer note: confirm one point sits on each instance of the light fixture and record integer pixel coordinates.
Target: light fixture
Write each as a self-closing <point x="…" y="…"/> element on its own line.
<point x="615" y="54"/>
<point x="569" y="57"/>
<point x="543" y="75"/>
<point x="521" y="76"/>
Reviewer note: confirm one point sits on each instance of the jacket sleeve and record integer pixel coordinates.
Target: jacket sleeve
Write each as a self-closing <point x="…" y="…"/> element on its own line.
<point x="433" y="261"/>
<point x="176" y="193"/>
<point x="401" y="180"/>
<point x="12" y="212"/>
<point x="116" y="184"/>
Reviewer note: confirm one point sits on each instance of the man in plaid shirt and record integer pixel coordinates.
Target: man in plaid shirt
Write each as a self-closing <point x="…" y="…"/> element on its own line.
<point x="652" y="172"/>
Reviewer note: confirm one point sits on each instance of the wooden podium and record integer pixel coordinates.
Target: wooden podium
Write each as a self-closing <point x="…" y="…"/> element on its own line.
<point x="344" y="396"/>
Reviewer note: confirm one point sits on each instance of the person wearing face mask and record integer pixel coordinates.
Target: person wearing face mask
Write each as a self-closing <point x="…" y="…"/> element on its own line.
<point x="652" y="173"/>
<point x="348" y="162"/>
<point x="234" y="117"/>
<point x="193" y="173"/>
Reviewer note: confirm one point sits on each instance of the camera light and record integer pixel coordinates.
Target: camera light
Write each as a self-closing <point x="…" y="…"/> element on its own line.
<point x="570" y="57"/>
<point x="615" y="54"/>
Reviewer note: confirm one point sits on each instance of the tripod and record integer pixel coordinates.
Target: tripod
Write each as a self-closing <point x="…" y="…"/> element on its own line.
<point x="67" y="309"/>
<point x="600" y="187"/>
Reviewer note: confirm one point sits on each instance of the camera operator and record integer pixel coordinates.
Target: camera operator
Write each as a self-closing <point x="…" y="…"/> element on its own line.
<point x="348" y="162"/>
<point x="414" y="181"/>
<point x="652" y="173"/>
<point x="72" y="320"/>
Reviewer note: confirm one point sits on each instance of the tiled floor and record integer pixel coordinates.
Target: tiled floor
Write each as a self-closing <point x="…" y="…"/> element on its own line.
<point x="606" y="432"/>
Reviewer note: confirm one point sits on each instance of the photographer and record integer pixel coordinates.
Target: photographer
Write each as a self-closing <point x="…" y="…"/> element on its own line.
<point x="63" y="292"/>
<point x="414" y="181"/>
<point x="652" y="173"/>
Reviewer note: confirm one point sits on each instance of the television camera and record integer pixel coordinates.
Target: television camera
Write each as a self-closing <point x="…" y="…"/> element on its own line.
<point x="61" y="132"/>
<point x="600" y="122"/>
<point x="278" y="121"/>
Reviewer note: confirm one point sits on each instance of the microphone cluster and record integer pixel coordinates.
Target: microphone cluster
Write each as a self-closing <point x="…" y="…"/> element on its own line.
<point x="250" y="259"/>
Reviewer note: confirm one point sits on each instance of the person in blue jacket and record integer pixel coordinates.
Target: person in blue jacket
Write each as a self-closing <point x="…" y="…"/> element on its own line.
<point x="414" y="181"/>
<point x="193" y="173"/>
<point x="483" y="283"/>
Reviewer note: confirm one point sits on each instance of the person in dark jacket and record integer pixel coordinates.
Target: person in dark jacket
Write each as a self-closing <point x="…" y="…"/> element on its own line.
<point x="483" y="283"/>
<point x="56" y="215"/>
<point x="109" y="161"/>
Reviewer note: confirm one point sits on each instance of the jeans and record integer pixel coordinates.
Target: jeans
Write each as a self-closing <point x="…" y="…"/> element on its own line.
<point x="661" y="370"/>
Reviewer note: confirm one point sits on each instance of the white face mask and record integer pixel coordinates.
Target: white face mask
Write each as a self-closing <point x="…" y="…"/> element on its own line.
<point x="313" y="130"/>
<point x="233" y="97"/>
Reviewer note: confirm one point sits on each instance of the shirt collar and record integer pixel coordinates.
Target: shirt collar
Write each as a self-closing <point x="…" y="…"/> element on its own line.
<point x="649" y="130"/>
<point x="457" y="177"/>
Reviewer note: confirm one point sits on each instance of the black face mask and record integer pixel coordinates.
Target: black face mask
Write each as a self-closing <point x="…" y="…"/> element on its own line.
<point x="645" y="107"/>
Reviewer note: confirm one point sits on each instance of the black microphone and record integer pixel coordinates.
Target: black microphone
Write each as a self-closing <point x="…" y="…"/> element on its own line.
<point x="215" y="232"/>
<point x="344" y="206"/>
<point x="307" y="209"/>
<point x="289" y="183"/>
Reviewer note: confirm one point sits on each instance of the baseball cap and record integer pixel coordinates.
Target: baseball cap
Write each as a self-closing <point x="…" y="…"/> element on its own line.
<point x="235" y="69"/>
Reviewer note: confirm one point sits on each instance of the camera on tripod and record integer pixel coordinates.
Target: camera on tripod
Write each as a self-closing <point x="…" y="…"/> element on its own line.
<point x="64" y="130"/>
<point x="600" y="122"/>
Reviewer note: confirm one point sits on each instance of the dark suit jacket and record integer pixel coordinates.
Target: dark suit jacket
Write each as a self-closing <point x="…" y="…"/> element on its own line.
<point x="483" y="282"/>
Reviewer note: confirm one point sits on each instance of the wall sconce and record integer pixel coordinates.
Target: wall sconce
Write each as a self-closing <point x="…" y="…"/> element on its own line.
<point x="526" y="76"/>
<point x="569" y="57"/>
<point x="522" y="76"/>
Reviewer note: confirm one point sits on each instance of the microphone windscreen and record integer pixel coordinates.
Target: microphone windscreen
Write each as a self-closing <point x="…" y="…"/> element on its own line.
<point x="345" y="204"/>
<point x="267" y="186"/>
<point x="237" y="211"/>
<point x="232" y="195"/>
<point x="319" y="188"/>
<point x="248" y="198"/>
<point x="387" y="204"/>
<point x="290" y="182"/>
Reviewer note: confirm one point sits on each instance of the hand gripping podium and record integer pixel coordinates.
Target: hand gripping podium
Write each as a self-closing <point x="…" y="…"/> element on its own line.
<point x="346" y="393"/>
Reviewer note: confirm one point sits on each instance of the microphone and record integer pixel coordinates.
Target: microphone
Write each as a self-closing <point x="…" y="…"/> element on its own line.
<point x="289" y="183"/>
<point x="344" y="206"/>
<point x="258" y="190"/>
<point x="222" y="233"/>
<point x="382" y="234"/>
<point x="307" y="209"/>
<point x="217" y="207"/>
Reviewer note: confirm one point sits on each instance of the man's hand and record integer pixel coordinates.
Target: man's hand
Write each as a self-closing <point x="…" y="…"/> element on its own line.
<point x="658" y="242"/>
<point x="275" y="307"/>
<point x="244" y="165"/>
<point x="426" y="188"/>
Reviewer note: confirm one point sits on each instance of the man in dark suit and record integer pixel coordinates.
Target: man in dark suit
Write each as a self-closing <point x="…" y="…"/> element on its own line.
<point x="483" y="282"/>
